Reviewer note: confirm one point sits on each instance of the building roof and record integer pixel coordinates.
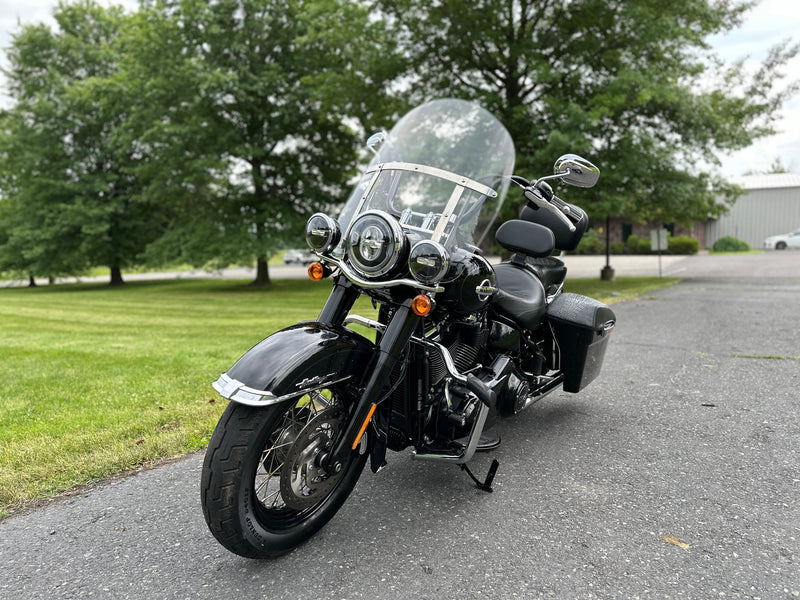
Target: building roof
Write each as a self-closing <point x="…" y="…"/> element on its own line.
<point x="767" y="181"/>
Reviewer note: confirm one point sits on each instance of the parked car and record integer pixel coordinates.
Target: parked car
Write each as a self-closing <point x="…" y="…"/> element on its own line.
<point x="781" y="242"/>
<point x="299" y="257"/>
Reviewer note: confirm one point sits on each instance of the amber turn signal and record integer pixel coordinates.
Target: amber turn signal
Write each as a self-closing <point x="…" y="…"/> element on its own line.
<point x="364" y="425"/>
<point x="422" y="305"/>
<point x="316" y="271"/>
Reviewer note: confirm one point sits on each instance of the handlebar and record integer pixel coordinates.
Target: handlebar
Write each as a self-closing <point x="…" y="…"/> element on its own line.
<point x="541" y="195"/>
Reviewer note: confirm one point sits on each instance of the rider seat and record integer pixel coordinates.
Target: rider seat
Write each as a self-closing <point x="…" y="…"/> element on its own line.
<point x="549" y="269"/>
<point x="521" y="294"/>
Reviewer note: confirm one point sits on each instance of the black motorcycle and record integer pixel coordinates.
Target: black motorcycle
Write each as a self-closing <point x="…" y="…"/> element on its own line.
<point x="458" y="341"/>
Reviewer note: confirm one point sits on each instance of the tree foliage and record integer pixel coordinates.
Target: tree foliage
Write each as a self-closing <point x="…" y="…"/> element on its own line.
<point x="630" y="85"/>
<point x="250" y="117"/>
<point x="190" y="130"/>
<point x="74" y="201"/>
<point x="207" y="132"/>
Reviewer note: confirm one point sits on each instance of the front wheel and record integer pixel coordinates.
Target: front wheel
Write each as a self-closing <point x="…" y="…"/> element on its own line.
<point x="780" y="246"/>
<point x="262" y="490"/>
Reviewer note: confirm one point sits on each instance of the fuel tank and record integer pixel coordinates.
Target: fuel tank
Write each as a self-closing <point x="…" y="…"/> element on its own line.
<point x="467" y="272"/>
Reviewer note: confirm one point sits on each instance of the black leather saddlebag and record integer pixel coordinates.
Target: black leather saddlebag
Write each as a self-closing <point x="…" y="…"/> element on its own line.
<point x="581" y="328"/>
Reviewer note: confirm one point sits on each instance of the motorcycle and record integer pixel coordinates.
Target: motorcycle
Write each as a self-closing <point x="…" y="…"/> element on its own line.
<point x="459" y="342"/>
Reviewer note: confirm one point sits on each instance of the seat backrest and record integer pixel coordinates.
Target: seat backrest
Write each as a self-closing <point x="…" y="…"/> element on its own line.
<point x="526" y="238"/>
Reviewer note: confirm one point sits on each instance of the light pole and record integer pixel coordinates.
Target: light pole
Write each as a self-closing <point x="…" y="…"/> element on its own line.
<point x="607" y="273"/>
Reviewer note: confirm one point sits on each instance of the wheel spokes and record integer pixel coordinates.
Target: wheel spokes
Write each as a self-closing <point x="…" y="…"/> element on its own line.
<point x="296" y="419"/>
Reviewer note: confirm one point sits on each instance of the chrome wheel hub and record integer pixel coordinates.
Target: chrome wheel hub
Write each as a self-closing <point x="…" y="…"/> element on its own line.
<point x="303" y="482"/>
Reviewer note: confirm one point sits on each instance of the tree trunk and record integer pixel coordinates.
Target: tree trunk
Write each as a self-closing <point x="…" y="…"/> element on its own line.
<point x="31" y="281"/>
<point x="262" y="269"/>
<point x="262" y="272"/>
<point x="116" y="276"/>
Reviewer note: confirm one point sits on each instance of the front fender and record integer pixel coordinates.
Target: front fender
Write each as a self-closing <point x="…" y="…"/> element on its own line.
<point x="295" y="361"/>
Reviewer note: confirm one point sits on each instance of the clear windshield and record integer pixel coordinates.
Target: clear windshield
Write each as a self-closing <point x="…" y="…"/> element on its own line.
<point x="443" y="172"/>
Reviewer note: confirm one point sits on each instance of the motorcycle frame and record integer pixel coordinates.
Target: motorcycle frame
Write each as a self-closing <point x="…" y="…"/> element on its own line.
<point x="402" y="336"/>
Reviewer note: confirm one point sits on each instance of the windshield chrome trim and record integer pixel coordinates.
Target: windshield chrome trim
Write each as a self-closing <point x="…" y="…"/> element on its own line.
<point x="435" y="172"/>
<point x="365" y="283"/>
<point x="363" y="199"/>
<point x="449" y="208"/>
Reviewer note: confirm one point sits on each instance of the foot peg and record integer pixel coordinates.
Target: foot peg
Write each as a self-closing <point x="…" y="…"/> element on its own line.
<point x="489" y="440"/>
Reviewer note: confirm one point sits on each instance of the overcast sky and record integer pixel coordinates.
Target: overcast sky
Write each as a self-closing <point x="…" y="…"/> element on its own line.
<point x="767" y="24"/>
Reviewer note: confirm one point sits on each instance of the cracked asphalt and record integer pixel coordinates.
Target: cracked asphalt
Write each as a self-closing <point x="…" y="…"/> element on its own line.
<point x="674" y="475"/>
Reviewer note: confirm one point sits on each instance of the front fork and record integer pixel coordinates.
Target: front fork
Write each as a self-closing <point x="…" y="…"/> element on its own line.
<point x="390" y="348"/>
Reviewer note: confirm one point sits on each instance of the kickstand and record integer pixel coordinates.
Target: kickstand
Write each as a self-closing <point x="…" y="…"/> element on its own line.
<point x="486" y="486"/>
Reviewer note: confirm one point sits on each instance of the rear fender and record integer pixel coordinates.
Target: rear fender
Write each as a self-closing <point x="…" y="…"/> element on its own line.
<point x="294" y="361"/>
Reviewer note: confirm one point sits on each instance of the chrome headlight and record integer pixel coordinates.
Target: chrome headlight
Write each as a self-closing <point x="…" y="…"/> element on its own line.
<point x="428" y="261"/>
<point x="375" y="243"/>
<point x="322" y="232"/>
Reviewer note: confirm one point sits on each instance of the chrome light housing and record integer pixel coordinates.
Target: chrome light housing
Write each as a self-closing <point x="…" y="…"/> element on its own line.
<point x="375" y="243"/>
<point x="428" y="261"/>
<point x="322" y="233"/>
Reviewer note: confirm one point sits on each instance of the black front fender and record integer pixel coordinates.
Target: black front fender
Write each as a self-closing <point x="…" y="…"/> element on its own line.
<point x="294" y="361"/>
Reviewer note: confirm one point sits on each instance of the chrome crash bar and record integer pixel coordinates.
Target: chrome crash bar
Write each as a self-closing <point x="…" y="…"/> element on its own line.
<point x="366" y="283"/>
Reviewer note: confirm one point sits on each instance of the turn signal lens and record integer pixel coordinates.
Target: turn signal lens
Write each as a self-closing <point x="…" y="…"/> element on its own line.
<point x="364" y="425"/>
<point x="316" y="271"/>
<point x="422" y="305"/>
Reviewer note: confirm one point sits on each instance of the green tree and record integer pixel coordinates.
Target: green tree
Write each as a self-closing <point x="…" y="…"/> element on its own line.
<point x="631" y="85"/>
<point x="79" y="201"/>
<point x="34" y="238"/>
<point x="244" y="132"/>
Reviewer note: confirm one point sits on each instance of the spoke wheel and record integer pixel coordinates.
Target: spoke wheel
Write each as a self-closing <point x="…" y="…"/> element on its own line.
<point x="263" y="489"/>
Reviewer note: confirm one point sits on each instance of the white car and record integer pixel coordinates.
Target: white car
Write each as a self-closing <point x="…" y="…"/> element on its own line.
<point x="781" y="242"/>
<point x="299" y="257"/>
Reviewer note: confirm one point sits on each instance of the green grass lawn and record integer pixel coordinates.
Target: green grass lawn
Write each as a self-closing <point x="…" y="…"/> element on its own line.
<point x="97" y="380"/>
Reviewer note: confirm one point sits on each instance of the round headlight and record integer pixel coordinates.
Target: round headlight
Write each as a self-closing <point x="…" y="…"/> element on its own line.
<point x="322" y="232"/>
<point x="375" y="243"/>
<point x="428" y="261"/>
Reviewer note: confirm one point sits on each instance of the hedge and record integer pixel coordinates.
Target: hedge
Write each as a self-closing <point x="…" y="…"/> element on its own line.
<point x="730" y="244"/>
<point x="594" y="243"/>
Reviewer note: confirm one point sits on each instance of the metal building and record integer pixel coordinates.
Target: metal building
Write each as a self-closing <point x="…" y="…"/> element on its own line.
<point x="769" y="206"/>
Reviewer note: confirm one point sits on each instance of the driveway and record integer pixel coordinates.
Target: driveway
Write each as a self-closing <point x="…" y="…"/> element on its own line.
<point x="675" y="475"/>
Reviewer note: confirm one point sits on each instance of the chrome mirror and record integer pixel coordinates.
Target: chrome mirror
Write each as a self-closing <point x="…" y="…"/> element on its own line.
<point x="576" y="171"/>
<point x="375" y="141"/>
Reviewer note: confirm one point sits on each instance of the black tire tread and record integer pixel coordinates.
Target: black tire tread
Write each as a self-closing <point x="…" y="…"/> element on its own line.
<point x="240" y="428"/>
<point x="226" y="451"/>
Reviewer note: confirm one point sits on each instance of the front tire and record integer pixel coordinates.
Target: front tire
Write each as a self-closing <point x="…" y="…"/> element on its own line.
<point x="261" y="489"/>
<point x="780" y="246"/>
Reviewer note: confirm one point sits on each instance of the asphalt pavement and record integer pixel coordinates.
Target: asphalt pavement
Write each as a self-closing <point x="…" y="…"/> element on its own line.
<point x="674" y="475"/>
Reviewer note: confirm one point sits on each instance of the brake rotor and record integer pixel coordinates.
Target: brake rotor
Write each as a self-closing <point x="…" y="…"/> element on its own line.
<point x="303" y="482"/>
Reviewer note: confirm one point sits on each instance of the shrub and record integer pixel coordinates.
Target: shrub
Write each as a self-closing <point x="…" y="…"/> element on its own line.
<point x="683" y="244"/>
<point x="617" y="248"/>
<point x="644" y="246"/>
<point x="632" y="244"/>
<point x="730" y="244"/>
